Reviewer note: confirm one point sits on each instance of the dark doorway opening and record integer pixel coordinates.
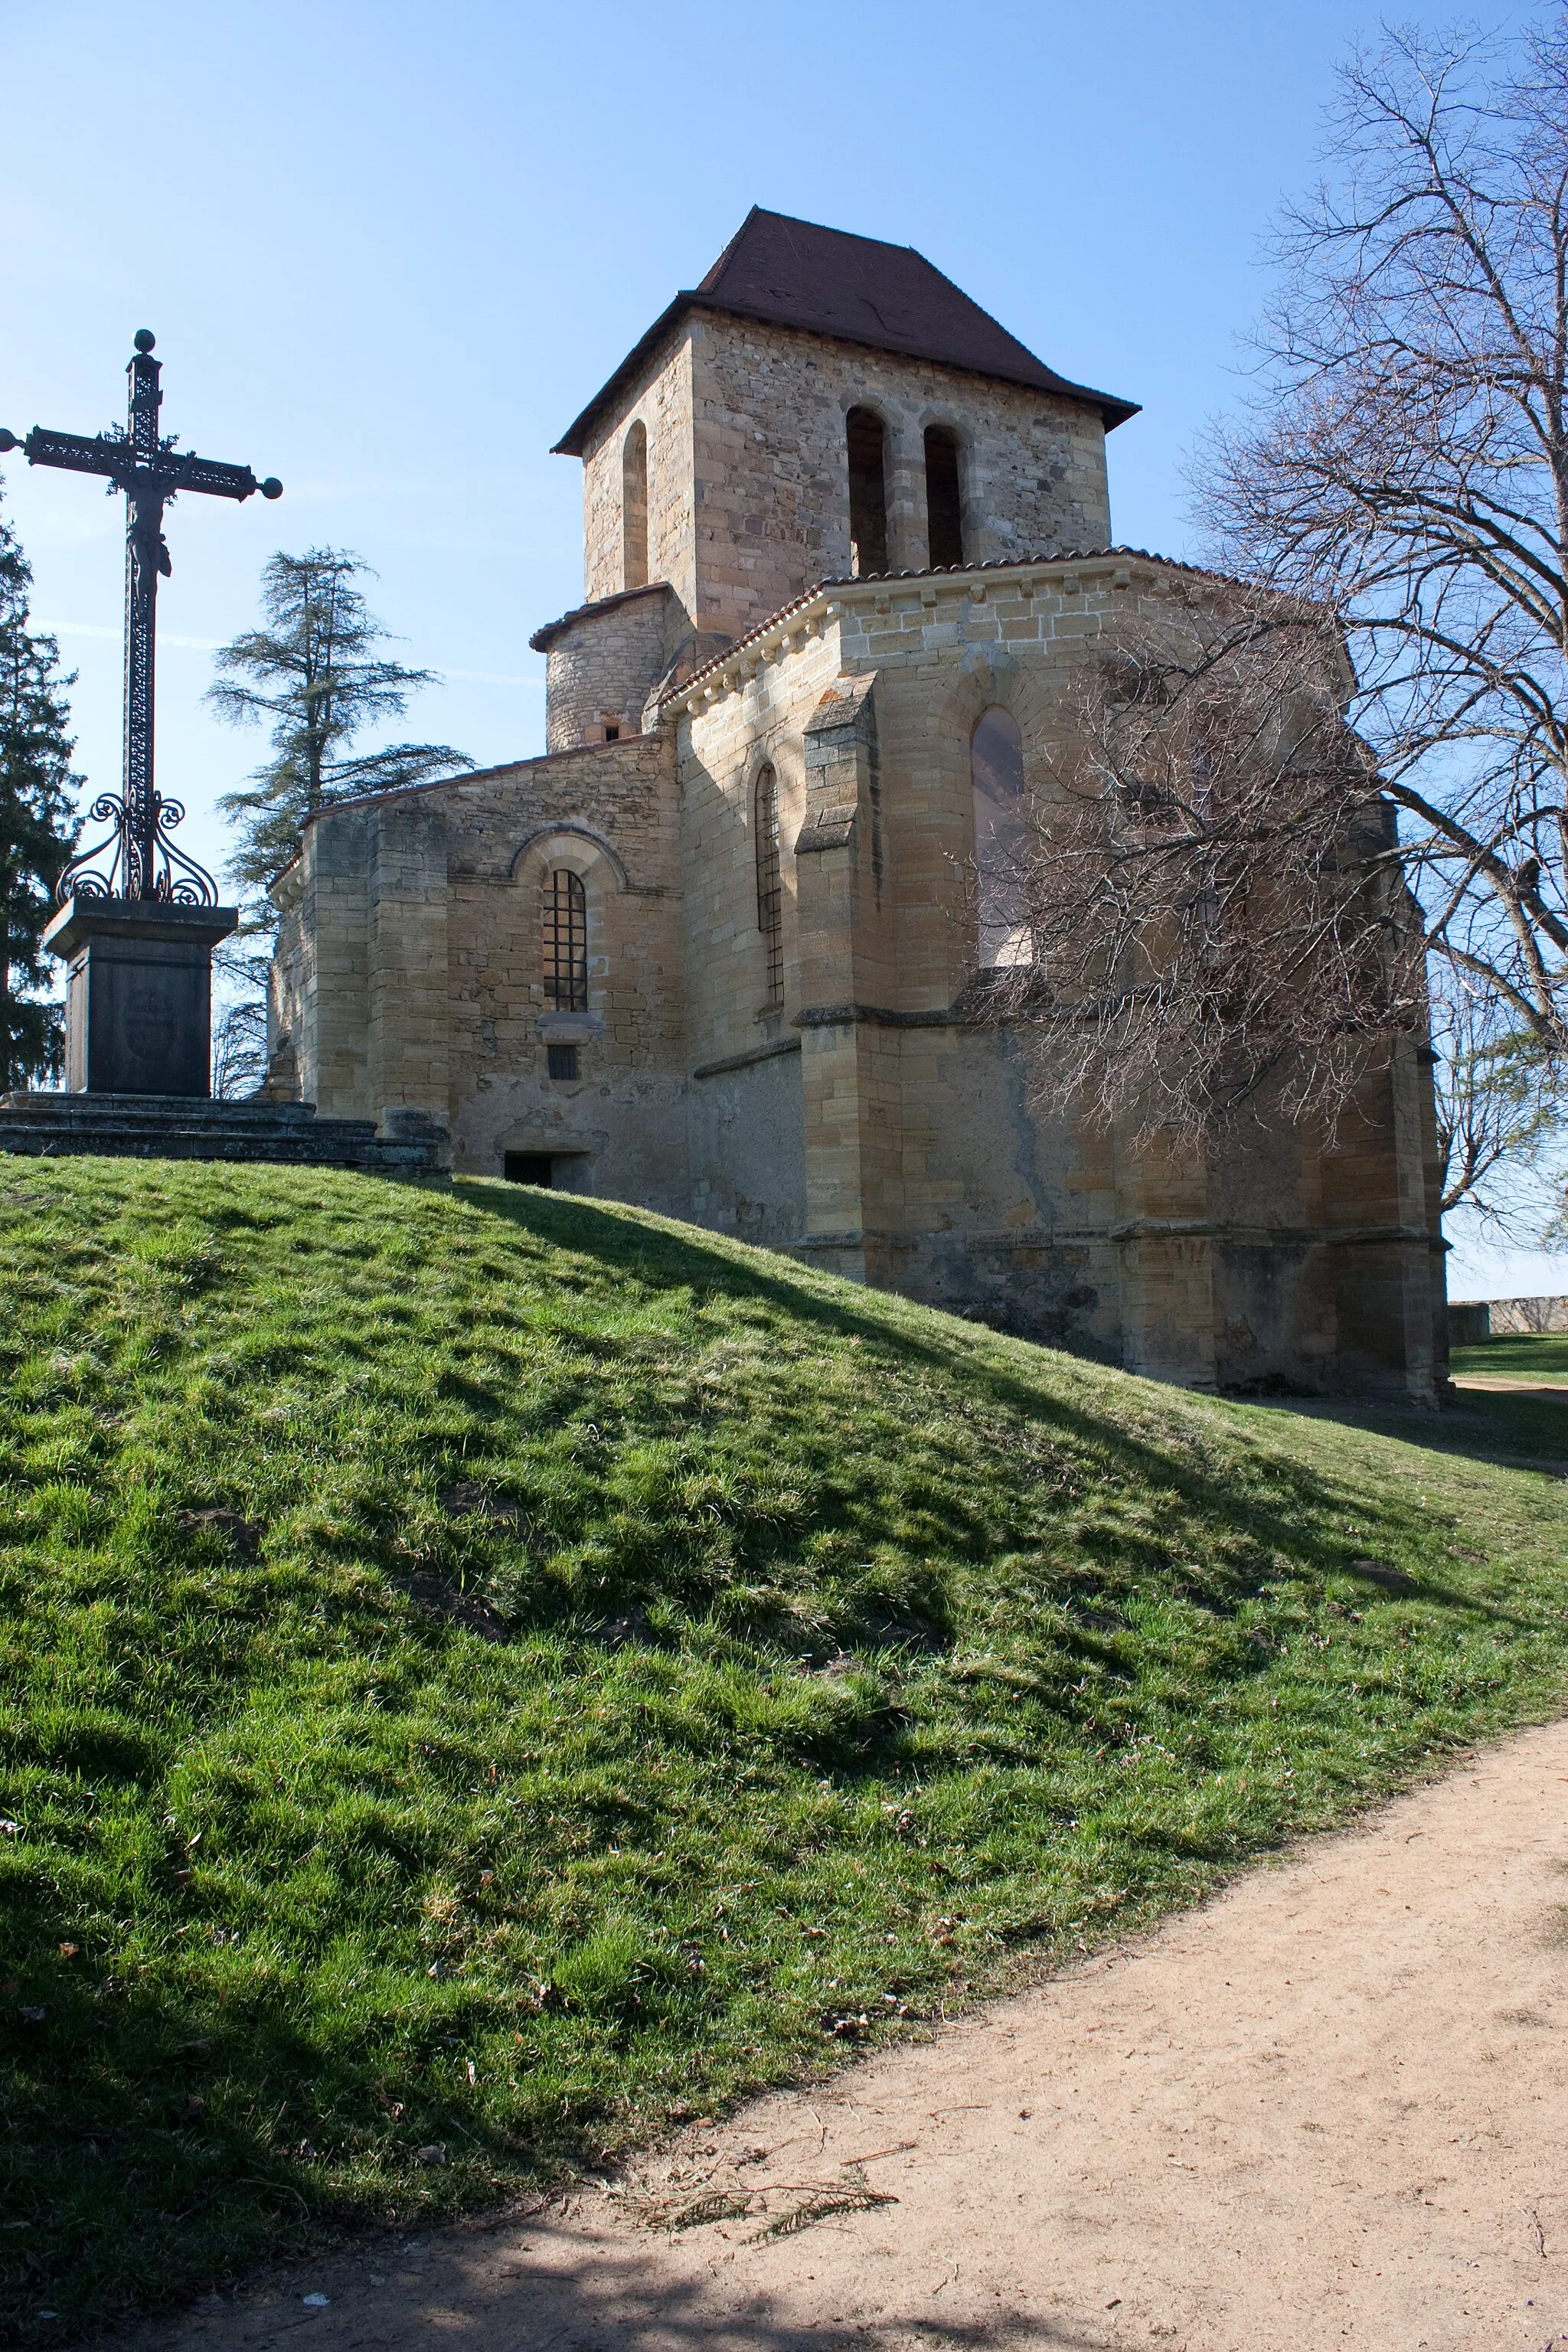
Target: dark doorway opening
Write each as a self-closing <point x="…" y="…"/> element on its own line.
<point x="868" y="493"/>
<point x="528" y="1168"/>
<point x="944" y="508"/>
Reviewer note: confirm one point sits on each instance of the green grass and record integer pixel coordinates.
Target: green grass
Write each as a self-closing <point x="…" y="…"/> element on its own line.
<point x="1518" y="1356"/>
<point x="826" y="1658"/>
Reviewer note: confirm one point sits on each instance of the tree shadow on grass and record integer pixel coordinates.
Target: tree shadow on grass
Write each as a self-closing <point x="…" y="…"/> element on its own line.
<point x="142" y="2161"/>
<point x="1295" y="1521"/>
<point x="1507" y="1432"/>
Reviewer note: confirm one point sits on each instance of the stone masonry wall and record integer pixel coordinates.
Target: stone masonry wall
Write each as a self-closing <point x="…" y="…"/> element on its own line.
<point x="748" y="467"/>
<point x="412" y="965"/>
<point x="603" y="662"/>
<point x="928" y="1165"/>
<point x="662" y="399"/>
<point x="772" y="464"/>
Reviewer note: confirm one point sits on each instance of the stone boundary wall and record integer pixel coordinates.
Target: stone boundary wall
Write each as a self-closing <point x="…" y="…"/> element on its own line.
<point x="1473" y="1321"/>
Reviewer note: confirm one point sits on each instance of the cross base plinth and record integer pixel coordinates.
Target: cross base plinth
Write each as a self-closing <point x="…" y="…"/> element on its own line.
<point x="138" y="1001"/>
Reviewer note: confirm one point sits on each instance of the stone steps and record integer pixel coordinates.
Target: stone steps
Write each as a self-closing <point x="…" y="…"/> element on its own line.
<point x="165" y="1126"/>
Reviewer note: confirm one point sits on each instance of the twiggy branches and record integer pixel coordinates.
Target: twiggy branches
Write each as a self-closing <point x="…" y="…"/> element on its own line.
<point x="1405" y="468"/>
<point x="1208" y="904"/>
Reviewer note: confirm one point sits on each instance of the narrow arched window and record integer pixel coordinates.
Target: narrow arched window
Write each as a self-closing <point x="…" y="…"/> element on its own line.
<point x="566" y="942"/>
<point x="867" y="492"/>
<point x="1001" y="840"/>
<point x="944" y="509"/>
<point x="770" y="888"/>
<point x="634" y="507"/>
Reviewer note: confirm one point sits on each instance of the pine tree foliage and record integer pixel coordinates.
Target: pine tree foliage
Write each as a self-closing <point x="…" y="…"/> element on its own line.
<point x="315" y="674"/>
<point x="39" y="826"/>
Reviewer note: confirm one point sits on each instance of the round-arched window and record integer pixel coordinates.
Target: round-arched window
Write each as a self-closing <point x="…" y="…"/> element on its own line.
<point x="565" y="942"/>
<point x="769" y="887"/>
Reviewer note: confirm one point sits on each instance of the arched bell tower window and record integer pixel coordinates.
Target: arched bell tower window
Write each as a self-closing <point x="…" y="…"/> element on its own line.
<point x="769" y="887"/>
<point x="867" y="492"/>
<point x="944" y="509"/>
<point x="634" y="507"/>
<point x="1001" y="840"/>
<point x="566" y="942"/>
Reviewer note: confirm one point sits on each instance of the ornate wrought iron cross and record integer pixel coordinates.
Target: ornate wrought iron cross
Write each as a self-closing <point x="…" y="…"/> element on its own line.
<point x="145" y="465"/>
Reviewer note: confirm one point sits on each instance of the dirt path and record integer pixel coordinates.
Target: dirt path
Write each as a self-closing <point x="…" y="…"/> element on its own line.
<point x="1500" y="1384"/>
<point x="1330" y="2108"/>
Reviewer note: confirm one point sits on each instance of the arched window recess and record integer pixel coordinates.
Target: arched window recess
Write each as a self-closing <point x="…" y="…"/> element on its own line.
<point x="770" y="884"/>
<point x="565" y="942"/>
<point x="867" y="439"/>
<point x="944" y="504"/>
<point x="1001" y="841"/>
<point x="634" y="507"/>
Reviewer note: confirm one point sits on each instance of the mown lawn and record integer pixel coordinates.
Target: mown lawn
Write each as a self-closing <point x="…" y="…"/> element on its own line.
<point x="623" y="1667"/>
<point x="1518" y="1356"/>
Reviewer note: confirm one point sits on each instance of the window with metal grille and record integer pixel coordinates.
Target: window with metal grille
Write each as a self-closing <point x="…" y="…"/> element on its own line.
<point x="561" y="1061"/>
<point x="566" y="944"/>
<point x="770" y="889"/>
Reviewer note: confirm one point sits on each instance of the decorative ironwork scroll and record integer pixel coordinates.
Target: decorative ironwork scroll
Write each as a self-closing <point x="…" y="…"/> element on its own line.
<point x="143" y="862"/>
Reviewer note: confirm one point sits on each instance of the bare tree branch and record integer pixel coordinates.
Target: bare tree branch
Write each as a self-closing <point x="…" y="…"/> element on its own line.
<point x="1208" y="914"/>
<point x="1405" y="469"/>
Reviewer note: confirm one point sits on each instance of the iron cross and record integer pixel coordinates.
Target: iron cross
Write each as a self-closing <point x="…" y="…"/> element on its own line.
<point x="150" y="470"/>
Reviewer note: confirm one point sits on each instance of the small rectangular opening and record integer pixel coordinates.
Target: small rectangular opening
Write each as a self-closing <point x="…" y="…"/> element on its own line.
<point x="528" y="1168"/>
<point x="612" y="734"/>
<point x="562" y="1061"/>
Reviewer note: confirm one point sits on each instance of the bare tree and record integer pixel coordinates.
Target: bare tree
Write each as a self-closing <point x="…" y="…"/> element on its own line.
<point x="1497" y="1116"/>
<point x="1207" y="911"/>
<point x="1405" y="471"/>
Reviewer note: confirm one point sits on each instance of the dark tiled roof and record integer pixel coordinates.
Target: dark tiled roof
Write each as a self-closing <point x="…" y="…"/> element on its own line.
<point x="792" y="273"/>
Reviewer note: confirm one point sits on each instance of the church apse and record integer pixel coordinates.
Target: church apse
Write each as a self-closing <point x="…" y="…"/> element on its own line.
<point x="776" y="767"/>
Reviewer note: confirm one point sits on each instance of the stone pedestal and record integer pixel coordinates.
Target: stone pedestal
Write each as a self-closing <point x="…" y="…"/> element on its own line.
<point x="138" y="1002"/>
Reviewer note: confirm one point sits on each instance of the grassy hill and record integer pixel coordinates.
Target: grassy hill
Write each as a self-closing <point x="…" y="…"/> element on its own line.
<point x="487" y="1672"/>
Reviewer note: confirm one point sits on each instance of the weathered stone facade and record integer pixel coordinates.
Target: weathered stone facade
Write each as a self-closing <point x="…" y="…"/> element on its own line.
<point x="855" y="1114"/>
<point x="748" y="470"/>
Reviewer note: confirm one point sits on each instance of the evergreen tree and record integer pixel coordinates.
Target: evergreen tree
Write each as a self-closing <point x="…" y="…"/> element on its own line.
<point x="314" y="673"/>
<point x="39" y="827"/>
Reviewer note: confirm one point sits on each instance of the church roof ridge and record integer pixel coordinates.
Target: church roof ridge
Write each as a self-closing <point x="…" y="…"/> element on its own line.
<point x="857" y="289"/>
<point x="628" y="743"/>
<point x="941" y="571"/>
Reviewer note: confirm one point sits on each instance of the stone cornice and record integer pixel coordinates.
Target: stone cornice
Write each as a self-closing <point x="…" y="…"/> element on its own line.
<point x="815" y="609"/>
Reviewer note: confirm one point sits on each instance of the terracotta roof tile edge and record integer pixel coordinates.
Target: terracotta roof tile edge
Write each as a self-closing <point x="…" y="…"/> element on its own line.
<point x="474" y="776"/>
<point x="539" y="641"/>
<point x="937" y="572"/>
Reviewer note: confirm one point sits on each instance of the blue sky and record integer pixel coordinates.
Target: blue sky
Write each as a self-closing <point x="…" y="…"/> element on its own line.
<point x="389" y="251"/>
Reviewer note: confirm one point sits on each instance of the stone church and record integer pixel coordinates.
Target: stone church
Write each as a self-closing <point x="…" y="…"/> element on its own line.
<point x="843" y="537"/>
